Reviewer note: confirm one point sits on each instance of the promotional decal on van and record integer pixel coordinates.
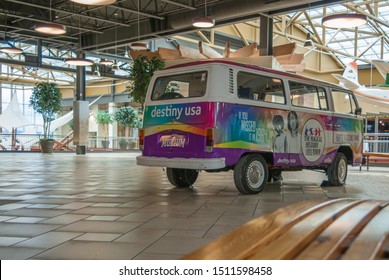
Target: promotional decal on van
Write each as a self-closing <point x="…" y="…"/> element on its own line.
<point x="312" y="140"/>
<point x="293" y="137"/>
<point x="176" y="128"/>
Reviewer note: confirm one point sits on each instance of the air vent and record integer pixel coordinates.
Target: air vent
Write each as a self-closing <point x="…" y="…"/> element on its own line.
<point x="231" y="81"/>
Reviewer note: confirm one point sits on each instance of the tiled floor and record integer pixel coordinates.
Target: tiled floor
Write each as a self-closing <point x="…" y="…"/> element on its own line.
<point x="104" y="206"/>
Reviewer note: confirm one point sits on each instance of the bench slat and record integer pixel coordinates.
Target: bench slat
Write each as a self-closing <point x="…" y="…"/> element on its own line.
<point x="291" y="241"/>
<point x="369" y="241"/>
<point x="241" y="242"/>
<point x="331" y="242"/>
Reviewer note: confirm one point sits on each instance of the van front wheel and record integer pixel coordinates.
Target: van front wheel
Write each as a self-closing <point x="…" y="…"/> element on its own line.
<point x="250" y="174"/>
<point x="181" y="178"/>
<point x="337" y="171"/>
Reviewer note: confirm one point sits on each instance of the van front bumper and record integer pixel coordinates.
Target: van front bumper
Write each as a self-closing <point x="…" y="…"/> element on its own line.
<point x="183" y="163"/>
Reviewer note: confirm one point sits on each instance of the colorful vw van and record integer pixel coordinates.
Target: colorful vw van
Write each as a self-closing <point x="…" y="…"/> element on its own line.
<point x="220" y="115"/>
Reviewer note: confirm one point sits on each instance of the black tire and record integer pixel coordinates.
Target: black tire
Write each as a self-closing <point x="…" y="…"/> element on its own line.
<point x="181" y="178"/>
<point x="250" y="174"/>
<point x="275" y="174"/>
<point x="337" y="171"/>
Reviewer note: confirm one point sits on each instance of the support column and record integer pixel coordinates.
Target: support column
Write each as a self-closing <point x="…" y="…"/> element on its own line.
<point x="266" y="36"/>
<point x="111" y="127"/>
<point x="80" y="112"/>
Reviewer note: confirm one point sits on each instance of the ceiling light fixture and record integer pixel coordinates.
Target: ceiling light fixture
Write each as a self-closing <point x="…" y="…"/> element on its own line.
<point x="139" y="46"/>
<point x="79" y="61"/>
<point x="346" y="20"/>
<point x="104" y="61"/>
<point x="50" y="27"/>
<point x="96" y="71"/>
<point x="94" y="2"/>
<point x="308" y="42"/>
<point x="10" y="49"/>
<point x="203" y="22"/>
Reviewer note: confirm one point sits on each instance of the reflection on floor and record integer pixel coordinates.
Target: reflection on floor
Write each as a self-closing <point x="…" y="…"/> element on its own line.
<point x="104" y="206"/>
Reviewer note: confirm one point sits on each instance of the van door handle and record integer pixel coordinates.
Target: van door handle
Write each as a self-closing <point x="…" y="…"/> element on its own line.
<point x="329" y="124"/>
<point x="337" y="126"/>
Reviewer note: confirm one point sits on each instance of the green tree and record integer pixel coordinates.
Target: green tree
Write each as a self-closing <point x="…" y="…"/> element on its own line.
<point x="128" y="117"/>
<point x="104" y="118"/>
<point x="46" y="100"/>
<point x="141" y="72"/>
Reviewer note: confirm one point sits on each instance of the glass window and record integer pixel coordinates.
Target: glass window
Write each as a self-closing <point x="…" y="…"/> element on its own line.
<point x="304" y="95"/>
<point x="180" y="86"/>
<point x="260" y="88"/>
<point x="323" y="100"/>
<point x="343" y="102"/>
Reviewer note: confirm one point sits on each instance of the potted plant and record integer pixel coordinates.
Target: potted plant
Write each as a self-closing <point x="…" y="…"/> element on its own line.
<point x="46" y="100"/>
<point x="141" y="72"/>
<point x="123" y="144"/>
<point x="104" y="118"/>
<point x="127" y="117"/>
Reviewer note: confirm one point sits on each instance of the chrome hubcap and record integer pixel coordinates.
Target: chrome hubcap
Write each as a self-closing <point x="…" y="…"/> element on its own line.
<point x="255" y="174"/>
<point x="342" y="169"/>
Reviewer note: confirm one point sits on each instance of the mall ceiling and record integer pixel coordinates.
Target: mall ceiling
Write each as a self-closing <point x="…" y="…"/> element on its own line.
<point x="107" y="28"/>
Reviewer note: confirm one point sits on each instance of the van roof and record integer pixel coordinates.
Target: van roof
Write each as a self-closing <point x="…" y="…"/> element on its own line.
<point x="253" y="67"/>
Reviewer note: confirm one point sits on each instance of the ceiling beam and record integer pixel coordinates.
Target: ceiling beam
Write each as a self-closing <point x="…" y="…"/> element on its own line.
<point x="179" y="4"/>
<point x="65" y="11"/>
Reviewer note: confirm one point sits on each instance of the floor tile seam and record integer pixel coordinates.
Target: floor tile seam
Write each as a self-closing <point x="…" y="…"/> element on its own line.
<point x="141" y="223"/>
<point x="43" y="233"/>
<point x="256" y="207"/>
<point x="48" y="249"/>
<point x="214" y="224"/>
<point x="152" y="243"/>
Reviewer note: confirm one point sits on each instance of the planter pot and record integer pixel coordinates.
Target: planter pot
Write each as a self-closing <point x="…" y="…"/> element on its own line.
<point x="123" y="146"/>
<point x="132" y="145"/>
<point x="105" y="143"/>
<point x="47" y="146"/>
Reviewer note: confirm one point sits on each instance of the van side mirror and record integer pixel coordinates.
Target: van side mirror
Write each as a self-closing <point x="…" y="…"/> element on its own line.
<point x="358" y="111"/>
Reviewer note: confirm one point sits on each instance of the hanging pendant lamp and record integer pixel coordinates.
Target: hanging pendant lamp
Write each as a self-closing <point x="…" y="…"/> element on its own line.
<point x="50" y="28"/>
<point x="10" y="49"/>
<point x="94" y="2"/>
<point x="203" y="22"/>
<point x="79" y="61"/>
<point x="347" y="20"/>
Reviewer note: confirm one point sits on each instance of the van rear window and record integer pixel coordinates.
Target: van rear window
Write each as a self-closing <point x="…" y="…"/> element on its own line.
<point x="186" y="85"/>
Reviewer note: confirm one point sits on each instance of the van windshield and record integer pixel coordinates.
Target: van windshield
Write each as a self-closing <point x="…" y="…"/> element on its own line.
<point x="186" y="85"/>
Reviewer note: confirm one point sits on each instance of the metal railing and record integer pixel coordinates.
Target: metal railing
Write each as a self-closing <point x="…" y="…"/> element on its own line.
<point x="376" y="142"/>
<point x="30" y="142"/>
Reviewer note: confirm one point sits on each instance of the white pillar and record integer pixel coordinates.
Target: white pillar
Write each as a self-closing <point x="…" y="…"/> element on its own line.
<point x="111" y="127"/>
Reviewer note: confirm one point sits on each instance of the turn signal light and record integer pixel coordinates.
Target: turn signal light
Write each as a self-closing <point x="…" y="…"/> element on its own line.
<point x="209" y="140"/>
<point x="141" y="139"/>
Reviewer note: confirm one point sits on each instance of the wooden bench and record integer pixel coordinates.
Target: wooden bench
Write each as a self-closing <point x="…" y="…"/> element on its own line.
<point x="334" y="229"/>
<point x="366" y="158"/>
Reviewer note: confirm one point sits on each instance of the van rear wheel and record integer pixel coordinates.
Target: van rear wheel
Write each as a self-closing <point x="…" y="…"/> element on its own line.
<point x="250" y="174"/>
<point x="181" y="178"/>
<point x="337" y="171"/>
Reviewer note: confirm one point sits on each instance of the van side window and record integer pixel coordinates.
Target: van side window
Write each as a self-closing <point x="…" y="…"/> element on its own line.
<point x="260" y="88"/>
<point x="344" y="101"/>
<point x="309" y="96"/>
<point x="180" y="86"/>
